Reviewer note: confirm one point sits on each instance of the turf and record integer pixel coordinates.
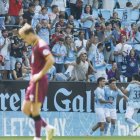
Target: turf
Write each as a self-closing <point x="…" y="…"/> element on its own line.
<point x="74" y="138"/>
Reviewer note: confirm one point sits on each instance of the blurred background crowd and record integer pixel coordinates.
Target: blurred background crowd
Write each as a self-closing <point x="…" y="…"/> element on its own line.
<point x="88" y="38"/>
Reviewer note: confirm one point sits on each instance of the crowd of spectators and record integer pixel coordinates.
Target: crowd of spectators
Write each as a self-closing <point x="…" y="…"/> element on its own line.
<point x="85" y="42"/>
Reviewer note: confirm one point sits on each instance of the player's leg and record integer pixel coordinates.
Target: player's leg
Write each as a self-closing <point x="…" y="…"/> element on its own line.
<point x="35" y="110"/>
<point x="101" y="119"/>
<point x="107" y="123"/>
<point x="138" y="125"/>
<point x="94" y="128"/>
<point x="128" y="117"/>
<point x="102" y="124"/>
<point x="26" y="107"/>
<point x="113" y="121"/>
<point x="112" y="128"/>
<point x="108" y="120"/>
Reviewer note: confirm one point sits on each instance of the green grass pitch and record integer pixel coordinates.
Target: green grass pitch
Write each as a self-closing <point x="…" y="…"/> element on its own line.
<point x="75" y="138"/>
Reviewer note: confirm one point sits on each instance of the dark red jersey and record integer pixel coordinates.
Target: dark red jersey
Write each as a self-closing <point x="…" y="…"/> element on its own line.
<point x="39" y="52"/>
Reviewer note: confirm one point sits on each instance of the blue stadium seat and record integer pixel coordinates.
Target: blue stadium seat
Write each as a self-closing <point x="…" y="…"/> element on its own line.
<point x="135" y="15"/>
<point x="105" y="13"/>
<point x="95" y="13"/>
<point x="120" y="12"/>
<point x="49" y="9"/>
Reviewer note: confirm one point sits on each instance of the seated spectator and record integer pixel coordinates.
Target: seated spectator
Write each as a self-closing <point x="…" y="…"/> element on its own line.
<point x="113" y="72"/>
<point x="19" y="73"/>
<point x="132" y="64"/>
<point x="59" y="51"/>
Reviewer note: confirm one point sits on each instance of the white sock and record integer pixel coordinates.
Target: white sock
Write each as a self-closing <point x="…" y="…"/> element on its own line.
<point x="101" y="133"/>
<point x="48" y="127"/>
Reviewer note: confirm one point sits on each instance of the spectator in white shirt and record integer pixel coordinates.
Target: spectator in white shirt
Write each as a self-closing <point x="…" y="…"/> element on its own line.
<point x="99" y="62"/>
<point x="5" y="52"/>
<point x="37" y="7"/>
<point x="60" y="3"/>
<point x="81" y="42"/>
<point x="54" y="15"/>
<point x="44" y="14"/>
<point x="121" y="50"/>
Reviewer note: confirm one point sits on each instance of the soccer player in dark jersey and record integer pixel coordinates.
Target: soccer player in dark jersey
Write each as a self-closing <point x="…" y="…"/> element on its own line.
<point x="41" y="61"/>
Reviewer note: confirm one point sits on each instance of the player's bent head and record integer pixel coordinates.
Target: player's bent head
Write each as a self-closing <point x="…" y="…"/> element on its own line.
<point x="136" y="77"/>
<point x="26" y="30"/>
<point x="111" y="80"/>
<point x="27" y="34"/>
<point x="100" y="79"/>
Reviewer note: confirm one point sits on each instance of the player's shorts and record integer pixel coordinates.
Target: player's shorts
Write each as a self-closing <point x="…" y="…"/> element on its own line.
<point x="130" y="111"/>
<point x="36" y="92"/>
<point x="111" y="113"/>
<point x="100" y="114"/>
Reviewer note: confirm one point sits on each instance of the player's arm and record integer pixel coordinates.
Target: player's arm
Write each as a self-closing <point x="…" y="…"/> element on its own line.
<point x="122" y="95"/>
<point x="125" y="91"/>
<point x="102" y="101"/>
<point x="49" y="63"/>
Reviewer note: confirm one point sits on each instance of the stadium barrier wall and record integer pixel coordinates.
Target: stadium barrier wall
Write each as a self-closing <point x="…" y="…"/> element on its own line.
<point x="69" y="106"/>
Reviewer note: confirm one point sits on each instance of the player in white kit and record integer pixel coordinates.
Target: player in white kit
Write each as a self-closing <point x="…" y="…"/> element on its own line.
<point x="99" y="105"/>
<point x="133" y="103"/>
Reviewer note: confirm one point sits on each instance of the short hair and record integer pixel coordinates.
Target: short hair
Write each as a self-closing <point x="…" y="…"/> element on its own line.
<point x="54" y="6"/>
<point x="100" y="44"/>
<point x="61" y="16"/>
<point x="100" y="79"/>
<point x="26" y="29"/>
<point x="4" y="30"/>
<point x="111" y="80"/>
<point x="136" y="76"/>
<point x="128" y="4"/>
